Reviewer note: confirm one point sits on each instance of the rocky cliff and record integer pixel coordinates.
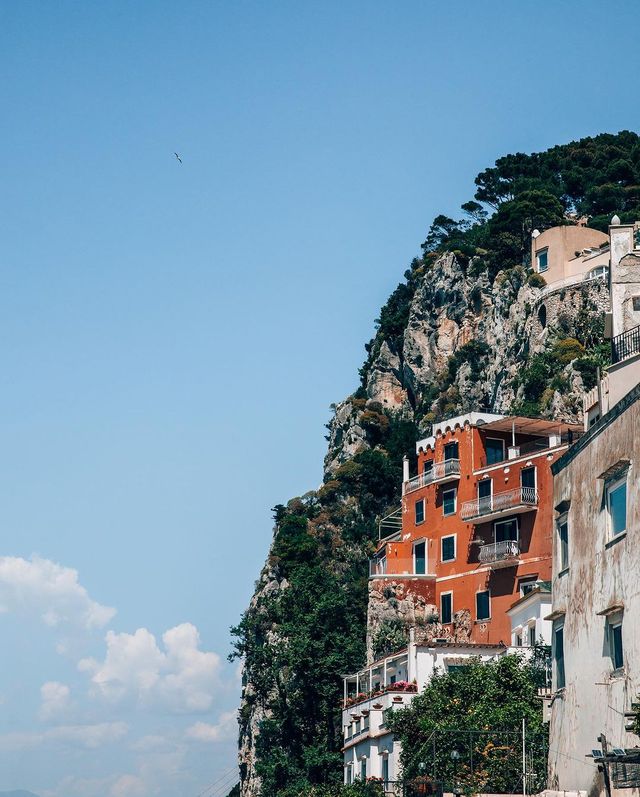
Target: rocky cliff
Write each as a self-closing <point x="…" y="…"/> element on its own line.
<point x="467" y="341"/>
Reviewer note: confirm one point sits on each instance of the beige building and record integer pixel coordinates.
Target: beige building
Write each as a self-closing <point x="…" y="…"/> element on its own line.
<point x="596" y="565"/>
<point x="570" y="253"/>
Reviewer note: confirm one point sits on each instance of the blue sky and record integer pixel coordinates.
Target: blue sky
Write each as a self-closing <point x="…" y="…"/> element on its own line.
<point x="173" y="335"/>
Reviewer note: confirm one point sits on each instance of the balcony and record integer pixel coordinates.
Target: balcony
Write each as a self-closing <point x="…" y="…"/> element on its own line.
<point x="625" y="345"/>
<point x="445" y="471"/>
<point x="500" y="554"/>
<point x="510" y="502"/>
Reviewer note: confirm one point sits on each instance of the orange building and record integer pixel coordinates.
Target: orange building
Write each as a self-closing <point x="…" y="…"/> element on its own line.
<point x="475" y="529"/>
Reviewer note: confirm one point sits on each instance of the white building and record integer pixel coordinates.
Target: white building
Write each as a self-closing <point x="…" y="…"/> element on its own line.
<point x="596" y="566"/>
<point x="390" y="684"/>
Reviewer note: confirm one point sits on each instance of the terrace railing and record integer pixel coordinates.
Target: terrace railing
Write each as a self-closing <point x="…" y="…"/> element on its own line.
<point x="499" y="551"/>
<point x="625" y="345"/>
<point x="439" y="471"/>
<point x="499" y="502"/>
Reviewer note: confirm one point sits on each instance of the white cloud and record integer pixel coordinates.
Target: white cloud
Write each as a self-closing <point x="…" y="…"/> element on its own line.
<point x="128" y="786"/>
<point x="55" y="700"/>
<point x="181" y="678"/>
<point x="51" y="590"/>
<point x="90" y="737"/>
<point x="226" y="728"/>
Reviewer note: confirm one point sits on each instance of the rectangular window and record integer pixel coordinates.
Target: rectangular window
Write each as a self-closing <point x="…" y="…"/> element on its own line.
<point x="449" y="502"/>
<point x="485" y="488"/>
<point x="532" y="636"/>
<point x="542" y="259"/>
<point x="363" y="769"/>
<point x="615" y="645"/>
<point x="449" y="548"/>
<point x="349" y="776"/>
<point x="506" y="530"/>
<point x="446" y="607"/>
<point x="385" y="771"/>
<point x="563" y="539"/>
<point x="526" y="584"/>
<point x="427" y="466"/>
<point x="420" y="511"/>
<point x="617" y="506"/>
<point x="558" y="656"/>
<point x="528" y="478"/>
<point x="518" y="640"/>
<point x="451" y="451"/>
<point x="483" y="605"/>
<point x="420" y="558"/>
<point x="494" y="449"/>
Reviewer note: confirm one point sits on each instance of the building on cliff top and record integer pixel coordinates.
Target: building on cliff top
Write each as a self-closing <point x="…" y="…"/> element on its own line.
<point x="596" y="565"/>
<point x="568" y="254"/>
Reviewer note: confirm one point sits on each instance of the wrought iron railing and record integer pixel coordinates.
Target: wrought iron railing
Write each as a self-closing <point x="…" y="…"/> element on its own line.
<point x="499" y="551"/>
<point x="499" y="502"/>
<point x="625" y="345"/>
<point x="440" y="470"/>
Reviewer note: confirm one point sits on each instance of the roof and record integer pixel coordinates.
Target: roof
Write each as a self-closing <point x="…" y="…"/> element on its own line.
<point x="533" y="426"/>
<point x="449" y="424"/>
<point x="466" y="645"/>
<point x="537" y="592"/>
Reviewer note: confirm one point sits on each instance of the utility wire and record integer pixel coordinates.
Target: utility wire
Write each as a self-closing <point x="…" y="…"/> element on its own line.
<point x="225" y="776"/>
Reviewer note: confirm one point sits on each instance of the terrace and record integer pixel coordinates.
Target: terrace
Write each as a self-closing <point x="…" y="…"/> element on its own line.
<point x="441" y="472"/>
<point x="508" y="502"/>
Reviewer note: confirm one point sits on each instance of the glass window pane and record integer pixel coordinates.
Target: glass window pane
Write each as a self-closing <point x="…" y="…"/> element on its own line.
<point x="484" y="488"/>
<point x="449" y="502"/>
<point x="427" y="466"/>
<point x="528" y="477"/>
<point x="445" y="608"/>
<point x="451" y="451"/>
<point x="495" y="451"/>
<point x="420" y="511"/>
<point x="482" y="605"/>
<point x="420" y="555"/>
<point x="506" y="530"/>
<point x="616" y="645"/>
<point x="448" y="549"/>
<point x="559" y="657"/>
<point x="618" y="508"/>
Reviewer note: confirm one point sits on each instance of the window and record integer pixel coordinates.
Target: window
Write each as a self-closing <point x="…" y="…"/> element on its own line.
<point x="427" y="466"/>
<point x="449" y="502"/>
<point x="542" y="259"/>
<point x="528" y="478"/>
<point x="617" y="505"/>
<point x="420" y="558"/>
<point x="563" y="539"/>
<point x="506" y="530"/>
<point x="485" y="488"/>
<point x="385" y="770"/>
<point x="446" y="608"/>
<point x="526" y="584"/>
<point x="615" y="644"/>
<point x="363" y="768"/>
<point x="495" y="450"/>
<point x="449" y="548"/>
<point x="518" y="640"/>
<point x="483" y="608"/>
<point x="558" y="656"/>
<point x="419" y="508"/>
<point x="532" y="635"/>
<point x="349" y="775"/>
<point x="451" y="451"/>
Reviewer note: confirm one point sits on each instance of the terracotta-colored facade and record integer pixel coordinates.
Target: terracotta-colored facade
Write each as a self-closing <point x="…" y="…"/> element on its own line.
<point x="477" y="519"/>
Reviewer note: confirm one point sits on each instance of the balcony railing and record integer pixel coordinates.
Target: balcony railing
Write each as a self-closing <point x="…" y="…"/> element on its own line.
<point x="439" y="471"/>
<point x="530" y="447"/>
<point x="499" y="502"/>
<point x="497" y="552"/>
<point x="625" y="345"/>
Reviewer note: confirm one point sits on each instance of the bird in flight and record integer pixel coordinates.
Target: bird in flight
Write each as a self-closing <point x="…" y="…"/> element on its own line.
<point x="178" y="156"/>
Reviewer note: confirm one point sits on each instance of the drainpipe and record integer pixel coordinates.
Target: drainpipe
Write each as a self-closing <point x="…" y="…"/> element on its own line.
<point x="599" y="383"/>
<point x="405" y="471"/>
<point x="513" y="434"/>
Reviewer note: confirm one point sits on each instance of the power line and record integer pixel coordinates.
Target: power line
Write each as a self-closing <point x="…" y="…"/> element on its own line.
<point x="224" y="777"/>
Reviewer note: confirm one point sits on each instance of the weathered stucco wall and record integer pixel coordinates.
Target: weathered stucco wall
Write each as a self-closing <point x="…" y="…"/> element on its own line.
<point x="603" y="573"/>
